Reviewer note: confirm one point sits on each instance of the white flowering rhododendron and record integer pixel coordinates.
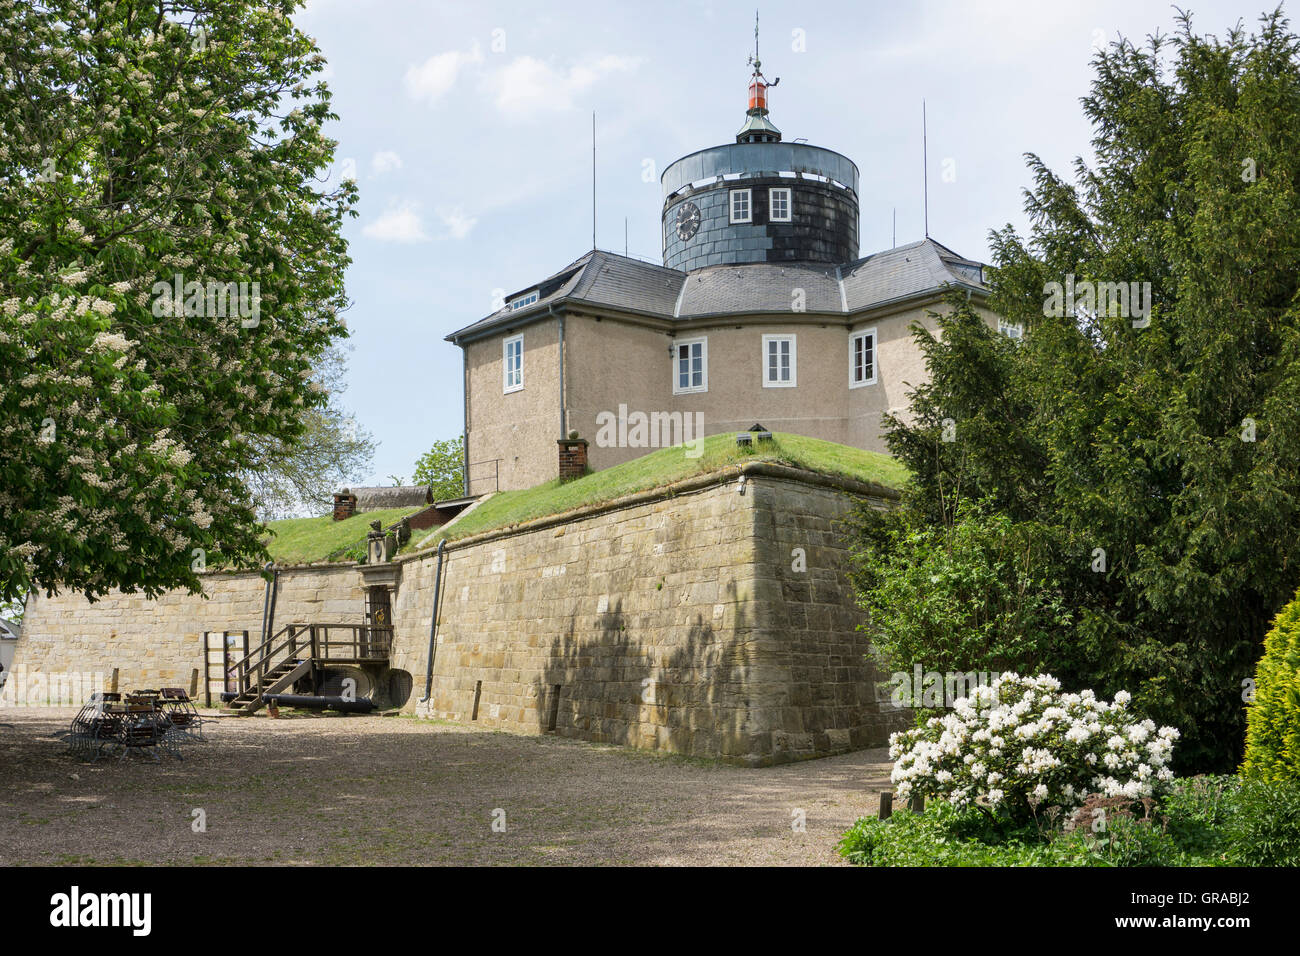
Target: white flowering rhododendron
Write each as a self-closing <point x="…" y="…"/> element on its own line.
<point x="1020" y="742"/>
<point x="148" y="146"/>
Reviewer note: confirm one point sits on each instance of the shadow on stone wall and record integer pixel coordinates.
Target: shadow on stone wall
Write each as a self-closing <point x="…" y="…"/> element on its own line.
<point x="691" y="698"/>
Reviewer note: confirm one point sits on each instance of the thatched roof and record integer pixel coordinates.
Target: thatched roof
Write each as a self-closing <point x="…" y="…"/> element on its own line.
<point x="377" y="499"/>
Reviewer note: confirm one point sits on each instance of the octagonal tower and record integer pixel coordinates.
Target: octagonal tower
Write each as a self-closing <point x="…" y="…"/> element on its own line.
<point x="759" y="199"/>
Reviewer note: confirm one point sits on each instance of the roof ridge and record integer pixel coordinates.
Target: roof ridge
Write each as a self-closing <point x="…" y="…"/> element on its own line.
<point x="942" y="276"/>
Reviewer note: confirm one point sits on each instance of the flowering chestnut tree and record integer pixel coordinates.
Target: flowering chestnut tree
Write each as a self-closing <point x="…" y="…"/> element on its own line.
<point x="171" y="268"/>
<point x="1019" y="742"/>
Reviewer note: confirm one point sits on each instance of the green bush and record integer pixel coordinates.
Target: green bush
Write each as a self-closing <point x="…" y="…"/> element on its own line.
<point x="1263" y="828"/>
<point x="1273" y="719"/>
<point x="946" y="836"/>
<point x="1196" y="812"/>
<point x="977" y="595"/>
<point x="1201" y="821"/>
<point x="943" y="836"/>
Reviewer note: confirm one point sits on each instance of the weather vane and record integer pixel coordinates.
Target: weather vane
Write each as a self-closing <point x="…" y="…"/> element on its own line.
<point x="754" y="60"/>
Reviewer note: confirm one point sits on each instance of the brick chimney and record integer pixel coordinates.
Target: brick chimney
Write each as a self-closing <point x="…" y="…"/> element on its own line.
<point x="573" y="457"/>
<point x="345" y="504"/>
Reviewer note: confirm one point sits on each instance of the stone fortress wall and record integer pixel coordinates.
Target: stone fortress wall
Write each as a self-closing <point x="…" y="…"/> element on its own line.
<point x="695" y="619"/>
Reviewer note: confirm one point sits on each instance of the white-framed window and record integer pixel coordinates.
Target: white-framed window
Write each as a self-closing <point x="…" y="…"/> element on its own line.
<point x="512" y="363"/>
<point x="779" y="361"/>
<point x="778" y="200"/>
<point x="690" y="366"/>
<point x="862" y="358"/>
<point x="741" y="207"/>
<point x="1012" y="330"/>
<point x="528" y="298"/>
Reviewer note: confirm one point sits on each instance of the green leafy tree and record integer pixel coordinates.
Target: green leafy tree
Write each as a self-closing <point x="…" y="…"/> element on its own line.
<point x="442" y="469"/>
<point x="1160" y="445"/>
<point x="149" y="149"/>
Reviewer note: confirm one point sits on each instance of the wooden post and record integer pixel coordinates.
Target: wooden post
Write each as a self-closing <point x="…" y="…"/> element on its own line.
<point x="113" y="688"/>
<point x="918" y="803"/>
<point x="315" y="658"/>
<point x="194" y="683"/>
<point x="207" y="669"/>
<point x="886" y="805"/>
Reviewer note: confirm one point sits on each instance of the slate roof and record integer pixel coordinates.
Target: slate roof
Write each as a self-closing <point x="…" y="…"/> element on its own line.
<point x="759" y="287"/>
<point x="606" y="279"/>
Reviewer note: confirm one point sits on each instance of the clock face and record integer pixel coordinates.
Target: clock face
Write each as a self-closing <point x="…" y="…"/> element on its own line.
<point x="688" y="221"/>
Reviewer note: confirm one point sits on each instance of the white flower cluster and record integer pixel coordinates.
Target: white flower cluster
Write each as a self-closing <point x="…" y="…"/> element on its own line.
<point x="1019" y="741"/>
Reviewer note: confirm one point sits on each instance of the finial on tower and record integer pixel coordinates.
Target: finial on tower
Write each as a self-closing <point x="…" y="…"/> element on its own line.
<point x="758" y="128"/>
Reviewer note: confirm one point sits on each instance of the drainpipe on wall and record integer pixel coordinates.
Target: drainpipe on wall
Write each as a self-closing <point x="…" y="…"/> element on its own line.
<point x="274" y="585"/>
<point x="564" y="418"/>
<point x="266" y="600"/>
<point x="433" y="626"/>
<point x="464" y="448"/>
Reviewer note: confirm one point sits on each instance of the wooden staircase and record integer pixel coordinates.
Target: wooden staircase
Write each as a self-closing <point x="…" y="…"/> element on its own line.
<point x="296" y="652"/>
<point x="277" y="680"/>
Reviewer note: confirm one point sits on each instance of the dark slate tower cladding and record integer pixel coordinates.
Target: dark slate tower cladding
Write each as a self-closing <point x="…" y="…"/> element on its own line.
<point x="760" y="200"/>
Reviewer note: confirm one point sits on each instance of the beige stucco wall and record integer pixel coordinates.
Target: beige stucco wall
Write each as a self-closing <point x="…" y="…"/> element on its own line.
<point x="519" y="427"/>
<point x="612" y="363"/>
<point x="609" y="362"/>
<point x="671" y="622"/>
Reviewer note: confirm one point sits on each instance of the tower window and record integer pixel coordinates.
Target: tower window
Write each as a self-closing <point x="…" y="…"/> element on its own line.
<point x="779" y="204"/>
<point x="862" y="358"/>
<point x="779" y="361"/>
<point x="691" y="366"/>
<point x="513" y="363"/>
<point x="1012" y="330"/>
<point x="741" y="207"/>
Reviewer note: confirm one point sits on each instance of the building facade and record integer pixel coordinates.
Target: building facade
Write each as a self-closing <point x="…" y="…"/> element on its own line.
<point x="762" y="312"/>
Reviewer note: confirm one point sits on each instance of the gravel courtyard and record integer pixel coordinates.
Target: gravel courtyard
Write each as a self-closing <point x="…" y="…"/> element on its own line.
<point x="332" y="790"/>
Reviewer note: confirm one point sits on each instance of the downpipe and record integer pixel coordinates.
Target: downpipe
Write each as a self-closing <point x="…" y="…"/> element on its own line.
<point x="266" y="600"/>
<point x="433" y="626"/>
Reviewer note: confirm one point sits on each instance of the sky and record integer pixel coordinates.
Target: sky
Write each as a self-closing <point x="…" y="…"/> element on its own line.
<point x="468" y="127"/>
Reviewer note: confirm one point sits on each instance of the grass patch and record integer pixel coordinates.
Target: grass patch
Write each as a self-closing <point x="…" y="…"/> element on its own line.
<point x="661" y="468"/>
<point x="1201" y="821"/>
<point x="300" y="540"/>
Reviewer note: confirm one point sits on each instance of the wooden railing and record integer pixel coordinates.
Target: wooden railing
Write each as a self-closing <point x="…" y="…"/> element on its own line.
<point x="320" y="642"/>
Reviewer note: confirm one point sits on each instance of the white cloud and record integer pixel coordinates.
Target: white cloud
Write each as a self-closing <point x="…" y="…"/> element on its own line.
<point x="385" y="161"/>
<point x="458" y="224"/>
<point x="399" y="223"/>
<point x="528" y="86"/>
<point x="429" y="81"/>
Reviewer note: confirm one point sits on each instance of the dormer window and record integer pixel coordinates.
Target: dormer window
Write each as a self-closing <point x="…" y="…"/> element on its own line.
<point x="741" y="206"/>
<point x="528" y="298"/>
